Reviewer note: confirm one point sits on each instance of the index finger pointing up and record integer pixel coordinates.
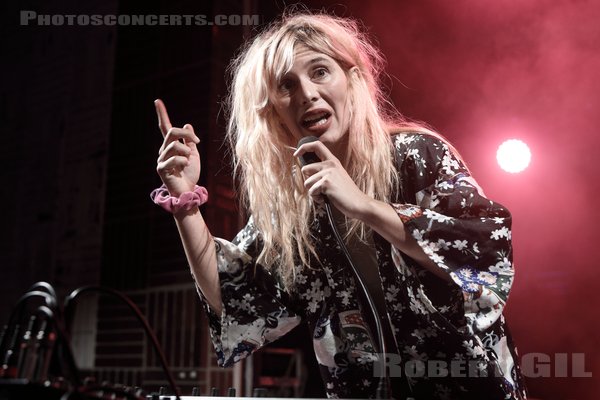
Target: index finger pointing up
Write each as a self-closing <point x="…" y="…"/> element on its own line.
<point x="163" y="118"/>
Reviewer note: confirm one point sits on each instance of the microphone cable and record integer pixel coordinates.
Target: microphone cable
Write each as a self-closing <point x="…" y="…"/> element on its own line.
<point x="383" y="387"/>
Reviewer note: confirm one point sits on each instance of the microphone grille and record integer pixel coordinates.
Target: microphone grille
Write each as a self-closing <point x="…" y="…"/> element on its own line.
<point x="308" y="158"/>
<point x="307" y="139"/>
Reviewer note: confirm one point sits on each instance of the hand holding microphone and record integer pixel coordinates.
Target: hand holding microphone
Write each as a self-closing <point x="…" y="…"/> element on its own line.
<point x="325" y="175"/>
<point x="309" y="157"/>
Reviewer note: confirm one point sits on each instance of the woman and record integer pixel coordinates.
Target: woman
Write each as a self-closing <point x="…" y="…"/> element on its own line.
<point x="436" y="254"/>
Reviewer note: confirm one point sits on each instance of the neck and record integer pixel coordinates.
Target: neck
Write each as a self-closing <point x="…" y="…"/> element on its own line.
<point x="340" y="149"/>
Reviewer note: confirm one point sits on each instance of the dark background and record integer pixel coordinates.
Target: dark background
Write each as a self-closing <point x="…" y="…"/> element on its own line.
<point x="79" y="142"/>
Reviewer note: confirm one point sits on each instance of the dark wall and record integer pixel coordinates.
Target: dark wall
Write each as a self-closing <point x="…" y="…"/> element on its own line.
<point x="55" y="107"/>
<point x="77" y="102"/>
<point x="81" y="140"/>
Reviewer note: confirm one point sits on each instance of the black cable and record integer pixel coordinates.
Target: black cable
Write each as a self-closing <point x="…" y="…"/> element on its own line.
<point x="44" y="286"/>
<point x="30" y="356"/>
<point x="11" y="330"/>
<point x="51" y="302"/>
<point x="382" y="389"/>
<point x="54" y="314"/>
<point x="25" y="345"/>
<point x="47" y="335"/>
<point x="70" y="310"/>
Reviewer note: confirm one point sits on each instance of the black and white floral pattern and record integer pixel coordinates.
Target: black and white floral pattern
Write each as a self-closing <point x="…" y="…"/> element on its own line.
<point x="456" y="323"/>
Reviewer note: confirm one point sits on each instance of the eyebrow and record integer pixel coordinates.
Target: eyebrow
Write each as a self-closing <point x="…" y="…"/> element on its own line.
<point x="315" y="60"/>
<point x="318" y="59"/>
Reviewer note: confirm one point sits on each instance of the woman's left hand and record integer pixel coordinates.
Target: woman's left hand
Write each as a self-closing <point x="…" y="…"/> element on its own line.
<point x="329" y="178"/>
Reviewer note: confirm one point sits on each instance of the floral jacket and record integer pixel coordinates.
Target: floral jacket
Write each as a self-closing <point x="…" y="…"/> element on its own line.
<point x="451" y="337"/>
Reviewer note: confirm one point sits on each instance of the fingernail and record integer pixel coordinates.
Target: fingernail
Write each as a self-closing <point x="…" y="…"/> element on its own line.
<point x="196" y="139"/>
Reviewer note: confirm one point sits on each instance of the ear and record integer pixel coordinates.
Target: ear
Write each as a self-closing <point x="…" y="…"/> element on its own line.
<point x="354" y="77"/>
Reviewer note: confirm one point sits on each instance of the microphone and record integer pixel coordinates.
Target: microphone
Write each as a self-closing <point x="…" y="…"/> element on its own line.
<point x="382" y="389"/>
<point x="46" y="338"/>
<point x="26" y="344"/>
<point x="308" y="158"/>
<point x="8" y="369"/>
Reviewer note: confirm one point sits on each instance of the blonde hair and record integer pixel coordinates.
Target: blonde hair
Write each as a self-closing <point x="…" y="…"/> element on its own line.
<point x="273" y="193"/>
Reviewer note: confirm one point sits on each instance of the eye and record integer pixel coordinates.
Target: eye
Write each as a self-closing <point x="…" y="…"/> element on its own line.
<point x="285" y="85"/>
<point x="320" y="72"/>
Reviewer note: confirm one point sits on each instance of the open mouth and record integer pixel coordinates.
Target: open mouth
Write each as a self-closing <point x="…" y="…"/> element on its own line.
<point x="316" y="120"/>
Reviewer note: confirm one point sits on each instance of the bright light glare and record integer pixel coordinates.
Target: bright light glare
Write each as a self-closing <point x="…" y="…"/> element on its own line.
<point x="513" y="156"/>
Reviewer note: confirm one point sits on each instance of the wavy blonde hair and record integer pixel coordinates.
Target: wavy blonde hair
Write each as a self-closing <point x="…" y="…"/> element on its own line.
<point x="271" y="190"/>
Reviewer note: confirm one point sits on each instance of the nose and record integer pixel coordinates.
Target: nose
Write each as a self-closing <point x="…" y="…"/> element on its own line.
<point x="308" y="91"/>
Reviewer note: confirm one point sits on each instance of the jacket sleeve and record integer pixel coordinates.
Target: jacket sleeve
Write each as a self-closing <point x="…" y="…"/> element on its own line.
<point x="465" y="234"/>
<point x="256" y="309"/>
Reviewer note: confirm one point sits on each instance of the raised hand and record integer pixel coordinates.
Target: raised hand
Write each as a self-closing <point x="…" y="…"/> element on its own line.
<point x="178" y="163"/>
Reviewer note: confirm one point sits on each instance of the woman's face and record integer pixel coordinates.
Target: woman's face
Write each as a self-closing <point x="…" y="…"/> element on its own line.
<point x="311" y="99"/>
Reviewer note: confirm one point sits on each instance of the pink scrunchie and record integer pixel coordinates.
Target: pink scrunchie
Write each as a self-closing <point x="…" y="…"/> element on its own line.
<point x="185" y="201"/>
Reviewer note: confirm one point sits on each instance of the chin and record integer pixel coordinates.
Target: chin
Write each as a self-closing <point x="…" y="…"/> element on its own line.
<point x="332" y="138"/>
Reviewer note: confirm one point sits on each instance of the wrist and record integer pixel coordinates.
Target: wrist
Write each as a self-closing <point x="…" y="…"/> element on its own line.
<point x="186" y="201"/>
<point x="178" y="190"/>
<point x="365" y="210"/>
